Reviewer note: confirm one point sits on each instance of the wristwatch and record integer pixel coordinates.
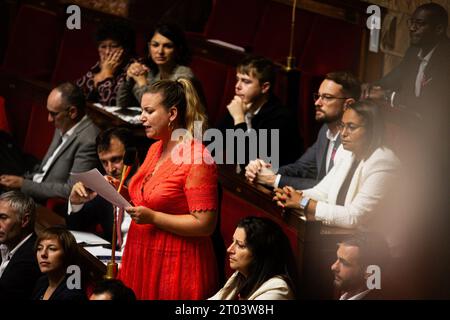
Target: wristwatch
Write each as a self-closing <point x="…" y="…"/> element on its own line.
<point x="304" y="203"/>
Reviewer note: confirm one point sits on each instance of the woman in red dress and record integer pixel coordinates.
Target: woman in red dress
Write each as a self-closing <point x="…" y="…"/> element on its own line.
<point x="169" y="254"/>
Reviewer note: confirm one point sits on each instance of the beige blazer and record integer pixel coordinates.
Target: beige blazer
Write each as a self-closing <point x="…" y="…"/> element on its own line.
<point x="273" y="289"/>
<point x="367" y="189"/>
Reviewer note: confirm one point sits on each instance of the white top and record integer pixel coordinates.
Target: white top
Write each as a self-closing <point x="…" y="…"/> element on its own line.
<point x="38" y="177"/>
<point x="358" y="296"/>
<point x="7" y="255"/>
<point x="331" y="146"/>
<point x="367" y="188"/>
<point x="275" y="288"/>
<point x="420" y="81"/>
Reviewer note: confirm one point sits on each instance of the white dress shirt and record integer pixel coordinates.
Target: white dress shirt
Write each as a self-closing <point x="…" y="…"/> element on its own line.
<point x="38" y="177"/>
<point x="358" y="296"/>
<point x="420" y="81"/>
<point x="331" y="146"/>
<point x="7" y="255"/>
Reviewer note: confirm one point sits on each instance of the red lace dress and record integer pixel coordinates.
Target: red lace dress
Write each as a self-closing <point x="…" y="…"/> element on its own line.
<point x="158" y="264"/>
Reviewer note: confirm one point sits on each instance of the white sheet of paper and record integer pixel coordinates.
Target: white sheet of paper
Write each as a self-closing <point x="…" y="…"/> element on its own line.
<point x="88" y="238"/>
<point x="94" y="180"/>
<point x="103" y="254"/>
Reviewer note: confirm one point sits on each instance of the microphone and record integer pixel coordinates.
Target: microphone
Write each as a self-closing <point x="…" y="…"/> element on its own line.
<point x="128" y="160"/>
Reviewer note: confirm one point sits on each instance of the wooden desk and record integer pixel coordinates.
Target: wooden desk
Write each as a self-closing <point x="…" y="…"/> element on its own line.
<point x="314" y="245"/>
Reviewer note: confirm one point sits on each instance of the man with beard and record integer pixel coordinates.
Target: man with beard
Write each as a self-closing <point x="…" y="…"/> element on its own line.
<point x="338" y="90"/>
<point x="351" y="272"/>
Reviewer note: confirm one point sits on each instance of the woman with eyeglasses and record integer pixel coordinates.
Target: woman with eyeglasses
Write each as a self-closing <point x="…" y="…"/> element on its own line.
<point x="357" y="184"/>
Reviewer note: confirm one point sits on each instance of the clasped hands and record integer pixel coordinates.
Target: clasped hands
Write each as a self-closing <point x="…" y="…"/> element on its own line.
<point x="259" y="171"/>
<point x="138" y="72"/>
<point x="287" y="197"/>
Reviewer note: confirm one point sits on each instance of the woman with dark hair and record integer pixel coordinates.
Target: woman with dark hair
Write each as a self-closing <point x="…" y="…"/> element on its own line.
<point x="352" y="191"/>
<point x="55" y="251"/>
<point x="168" y="58"/>
<point x="169" y="252"/>
<point x="262" y="257"/>
<point x="116" y="47"/>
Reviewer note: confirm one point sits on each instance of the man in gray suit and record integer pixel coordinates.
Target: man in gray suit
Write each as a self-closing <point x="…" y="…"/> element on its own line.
<point x="337" y="90"/>
<point x="71" y="150"/>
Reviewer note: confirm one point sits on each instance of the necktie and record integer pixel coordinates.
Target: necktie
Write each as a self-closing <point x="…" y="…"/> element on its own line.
<point x="420" y="79"/>
<point x="340" y="200"/>
<point x="333" y="153"/>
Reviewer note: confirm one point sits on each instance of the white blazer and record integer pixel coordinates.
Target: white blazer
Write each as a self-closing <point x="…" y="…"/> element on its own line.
<point x="367" y="188"/>
<point x="273" y="289"/>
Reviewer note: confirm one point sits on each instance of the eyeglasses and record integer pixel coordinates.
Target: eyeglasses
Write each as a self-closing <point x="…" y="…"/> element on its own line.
<point x="417" y="23"/>
<point x="326" y="97"/>
<point x="54" y="114"/>
<point x="351" y="127"/>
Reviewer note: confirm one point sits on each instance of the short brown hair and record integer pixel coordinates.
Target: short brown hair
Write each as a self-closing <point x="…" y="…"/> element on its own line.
<point x="351" y="86"/>
<point x="261" y="68"/>
<point x="65" y="238"/>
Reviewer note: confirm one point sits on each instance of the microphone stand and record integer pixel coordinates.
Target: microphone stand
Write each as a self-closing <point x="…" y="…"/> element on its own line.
<point x="291" y="59"/>
<point x="112" y="266"/>
<point x="128" y="159"/>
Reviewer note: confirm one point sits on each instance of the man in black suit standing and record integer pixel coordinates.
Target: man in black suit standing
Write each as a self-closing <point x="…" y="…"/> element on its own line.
<point x="18" y="269"/>
<point x="336" y="91"/>
<point x="420" y="82"/>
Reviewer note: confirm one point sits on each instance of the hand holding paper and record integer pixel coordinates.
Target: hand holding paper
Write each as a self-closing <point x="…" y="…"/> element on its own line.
<point x="94" y="180"/>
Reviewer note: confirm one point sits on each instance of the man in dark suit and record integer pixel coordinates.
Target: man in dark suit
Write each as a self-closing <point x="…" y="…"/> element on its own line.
<point x="255" y="108"/>
<point x="338" y="90"/>
<point x="18" y="265"/>
<point x="420" y="81"/>
<point x="86" y="209"/>
<point x="71" y="150"/>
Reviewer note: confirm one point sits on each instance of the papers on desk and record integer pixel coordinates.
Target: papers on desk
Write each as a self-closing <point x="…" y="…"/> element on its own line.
<point x="96" y="246"/>
<point x="227" y="44"/>
<point x="88" y="239"/>
<point x="94" y="180"/>
<point x="130" y="114"/>
<point x="103" y="254"/>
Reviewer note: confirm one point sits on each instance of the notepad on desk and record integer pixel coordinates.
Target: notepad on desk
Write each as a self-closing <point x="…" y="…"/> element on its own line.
<point x="96" y="246"/>
<point x="88" y="239"/>
<point x="103" y="254"/>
